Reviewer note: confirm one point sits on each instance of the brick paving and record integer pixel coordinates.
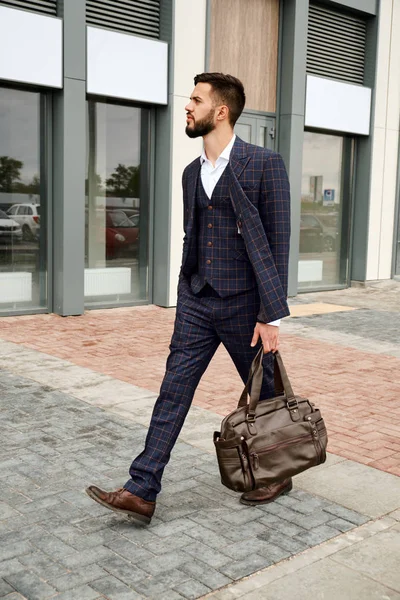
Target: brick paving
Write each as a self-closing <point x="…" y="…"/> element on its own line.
<point x="357" y="390"/>
<point x="57" y="543"/>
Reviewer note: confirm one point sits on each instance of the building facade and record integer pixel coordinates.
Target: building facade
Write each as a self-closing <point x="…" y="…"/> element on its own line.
<point x="92" y="141"/>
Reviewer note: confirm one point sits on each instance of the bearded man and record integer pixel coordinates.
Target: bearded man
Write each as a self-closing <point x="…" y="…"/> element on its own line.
<point x="232" y="284"/>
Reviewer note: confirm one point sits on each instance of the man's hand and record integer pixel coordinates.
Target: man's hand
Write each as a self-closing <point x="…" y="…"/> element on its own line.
<point x="269" y="336"/>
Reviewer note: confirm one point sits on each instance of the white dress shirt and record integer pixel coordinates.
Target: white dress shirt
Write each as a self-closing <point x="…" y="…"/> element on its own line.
<point x="210" y="176"/>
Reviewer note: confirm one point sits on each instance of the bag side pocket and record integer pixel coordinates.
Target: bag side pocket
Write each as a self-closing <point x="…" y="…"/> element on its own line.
<point x="233" y="464"/>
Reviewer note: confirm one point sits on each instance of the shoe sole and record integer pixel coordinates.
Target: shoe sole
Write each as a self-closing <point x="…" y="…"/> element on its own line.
<point x="285" y="491"/>
<point x="130" y="513"/>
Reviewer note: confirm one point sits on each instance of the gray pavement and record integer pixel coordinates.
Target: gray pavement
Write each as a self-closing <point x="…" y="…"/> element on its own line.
<point x="335" y="537"/>
<point x="57" y="543"/>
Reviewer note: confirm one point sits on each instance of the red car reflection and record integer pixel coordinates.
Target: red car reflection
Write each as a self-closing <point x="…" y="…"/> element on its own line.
<point x="122" y="234"/>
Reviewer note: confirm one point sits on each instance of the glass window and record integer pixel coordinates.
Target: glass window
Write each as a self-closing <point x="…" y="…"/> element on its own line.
<point x="324" y="220"/>
<point x="117" y="204"/>
<point x="23" y="244"/>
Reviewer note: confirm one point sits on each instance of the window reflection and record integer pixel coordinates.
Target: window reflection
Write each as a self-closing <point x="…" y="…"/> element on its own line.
<point x="324" y="210"/>
<point x="23" y="244"/>
<point x="116" y="204"/>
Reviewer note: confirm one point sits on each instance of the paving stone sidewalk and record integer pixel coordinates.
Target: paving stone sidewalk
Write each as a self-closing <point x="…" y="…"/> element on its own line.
<point x="57" y="543"/>
<point x="347" y="362"/>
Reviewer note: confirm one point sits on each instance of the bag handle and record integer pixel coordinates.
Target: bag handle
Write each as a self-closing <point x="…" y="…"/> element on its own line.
<point x="281" y="379"/>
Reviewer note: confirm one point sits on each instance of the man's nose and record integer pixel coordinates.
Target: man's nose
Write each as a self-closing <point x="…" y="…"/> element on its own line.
<point x="189" y="107"/>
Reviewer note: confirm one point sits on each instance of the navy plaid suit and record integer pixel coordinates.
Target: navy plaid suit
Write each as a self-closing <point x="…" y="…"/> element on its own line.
<point x="228" y="281"/>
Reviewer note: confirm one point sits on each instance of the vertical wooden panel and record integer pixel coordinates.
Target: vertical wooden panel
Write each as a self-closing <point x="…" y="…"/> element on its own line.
<point x="244" y="43"/>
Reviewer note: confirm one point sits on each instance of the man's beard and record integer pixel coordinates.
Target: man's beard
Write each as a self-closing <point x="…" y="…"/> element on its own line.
<point x="203" y="127"/>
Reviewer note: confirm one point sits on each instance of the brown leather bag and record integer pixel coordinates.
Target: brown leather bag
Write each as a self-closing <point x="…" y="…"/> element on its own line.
<point x="263" y="442"/>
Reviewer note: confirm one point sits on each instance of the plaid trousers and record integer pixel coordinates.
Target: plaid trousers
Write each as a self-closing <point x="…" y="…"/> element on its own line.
<point x="202" y="323"/>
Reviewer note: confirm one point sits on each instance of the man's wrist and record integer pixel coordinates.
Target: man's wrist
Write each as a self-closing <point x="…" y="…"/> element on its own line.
<point x="273" y="323"/>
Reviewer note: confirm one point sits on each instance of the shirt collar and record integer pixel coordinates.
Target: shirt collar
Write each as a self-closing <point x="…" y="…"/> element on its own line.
<point x="225" y="154"/>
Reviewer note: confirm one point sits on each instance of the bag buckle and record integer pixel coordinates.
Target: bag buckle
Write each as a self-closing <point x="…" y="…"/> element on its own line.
<point x="292" y="404"/>
<point x="251" y="417"/>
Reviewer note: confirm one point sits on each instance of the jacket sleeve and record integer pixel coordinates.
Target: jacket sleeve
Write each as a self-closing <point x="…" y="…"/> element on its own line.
<point x="274" y="209"/>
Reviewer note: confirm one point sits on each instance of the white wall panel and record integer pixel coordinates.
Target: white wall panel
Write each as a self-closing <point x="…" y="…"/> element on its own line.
<point x="383" y="59"/>
<point x="337" y="106"/>
<point x="388" y="204"/>
<point x="188" y="61"/>
<point x="385" y="144"/>
<point x="30" y="48"/>
<point x="126" y="66"/>
<point x="189" y="42"/>
<point x="375" y="208"/>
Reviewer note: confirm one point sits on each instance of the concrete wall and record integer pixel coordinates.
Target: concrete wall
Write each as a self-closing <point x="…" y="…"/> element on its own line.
<point x="189" y="59"/>
<point x="385" y="144"/>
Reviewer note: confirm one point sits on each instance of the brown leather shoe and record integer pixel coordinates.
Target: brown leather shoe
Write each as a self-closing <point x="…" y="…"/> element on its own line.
<point x="267" y="494"/>
<point x="123" y="501"/>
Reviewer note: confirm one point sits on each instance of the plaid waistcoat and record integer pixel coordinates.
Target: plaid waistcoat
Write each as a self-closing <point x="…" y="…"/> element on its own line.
<point x="260" y="198"/>
<point x="222" y="260"/>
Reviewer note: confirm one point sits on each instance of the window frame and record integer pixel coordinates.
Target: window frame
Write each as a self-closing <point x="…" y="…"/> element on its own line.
<point x="150" y="166"/>
<point x="46" y="167"/>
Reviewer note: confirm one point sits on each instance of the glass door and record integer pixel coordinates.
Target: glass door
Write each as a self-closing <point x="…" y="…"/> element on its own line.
<point x="325" y="211"/>
<point x="256" y="129"/>
<point x="117" y="204"/>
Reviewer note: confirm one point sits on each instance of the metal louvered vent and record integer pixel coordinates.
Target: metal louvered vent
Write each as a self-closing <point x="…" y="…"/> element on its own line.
<point x="141" y="17"/>
<point x="47" y="7"/>
<point x="336" y="44"/>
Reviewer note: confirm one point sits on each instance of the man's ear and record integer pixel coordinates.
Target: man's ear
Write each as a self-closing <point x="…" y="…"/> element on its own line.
<point x="223" y="113"/>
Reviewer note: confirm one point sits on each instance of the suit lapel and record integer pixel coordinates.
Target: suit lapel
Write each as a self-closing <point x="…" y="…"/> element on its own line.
<point x="238" y="161"/>
<point x="193" y="177"/>
<point x="238" y="158"/>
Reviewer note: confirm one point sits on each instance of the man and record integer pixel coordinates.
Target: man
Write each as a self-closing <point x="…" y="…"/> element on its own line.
<point x="232" y="284"/>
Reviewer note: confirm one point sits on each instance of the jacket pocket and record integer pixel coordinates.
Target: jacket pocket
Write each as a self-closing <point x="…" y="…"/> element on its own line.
<point x="249" y="187"/>
<point x="241" y="255"/>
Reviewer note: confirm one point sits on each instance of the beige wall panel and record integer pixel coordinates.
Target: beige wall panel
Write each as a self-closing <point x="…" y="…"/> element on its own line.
<point x="244" y="43"/>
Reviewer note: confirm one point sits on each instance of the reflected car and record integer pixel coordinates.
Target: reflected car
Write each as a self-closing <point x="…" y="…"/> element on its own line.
<point x="122" y="234"/>
<point x="311" y="234"/>
<point x="329" y="222"/>
<point x="28" y="216"/>
<point x="10" y="230"/>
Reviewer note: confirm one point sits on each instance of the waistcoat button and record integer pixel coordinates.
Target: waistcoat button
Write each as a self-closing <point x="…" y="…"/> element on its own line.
<point x="210" y="207"/>
<point x="208" y="262"/>
<point x="209" y="243"/>
<point x="209" y="225"/>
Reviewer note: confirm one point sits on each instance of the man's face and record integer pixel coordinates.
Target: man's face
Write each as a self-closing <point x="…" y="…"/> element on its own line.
<point x="200" y="112"/>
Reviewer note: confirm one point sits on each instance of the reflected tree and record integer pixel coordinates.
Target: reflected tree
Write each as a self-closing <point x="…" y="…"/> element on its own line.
<point x="96" y="186"/>
<point x="33" y="187"/>
<point x="10" y="173"/>
<point x="124" y="182"/>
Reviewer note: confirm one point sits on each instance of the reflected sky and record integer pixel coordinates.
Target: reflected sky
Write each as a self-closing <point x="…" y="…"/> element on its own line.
<point x="322" y="155"/>
<point x="118" y="133"/>
<point x="118" y="137"/>
<point x="19" y="129"/>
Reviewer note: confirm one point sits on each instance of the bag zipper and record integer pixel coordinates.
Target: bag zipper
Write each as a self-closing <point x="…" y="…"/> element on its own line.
<point x="255" y="455"/>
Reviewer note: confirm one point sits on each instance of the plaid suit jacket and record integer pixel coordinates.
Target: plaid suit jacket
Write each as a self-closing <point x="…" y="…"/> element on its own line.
<point x="260" y="196"/>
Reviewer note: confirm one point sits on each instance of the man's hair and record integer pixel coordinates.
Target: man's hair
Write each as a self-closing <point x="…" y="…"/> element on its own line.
<point x="228" y="89"/>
